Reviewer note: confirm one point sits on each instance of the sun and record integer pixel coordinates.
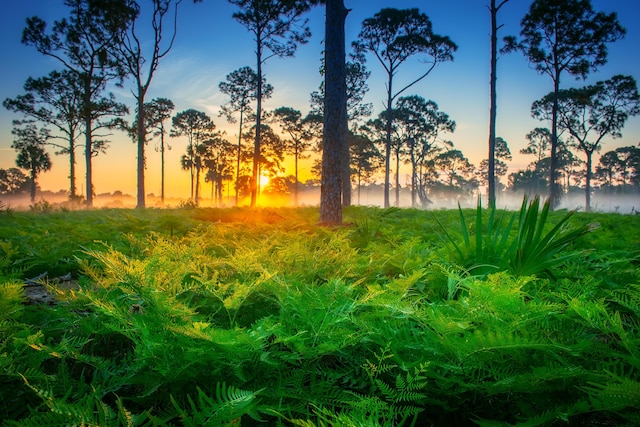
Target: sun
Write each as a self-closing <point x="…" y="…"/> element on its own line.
<point x="264" y="180"/>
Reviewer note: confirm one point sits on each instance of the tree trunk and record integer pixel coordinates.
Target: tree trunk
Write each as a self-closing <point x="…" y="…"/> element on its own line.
<point x="256" y="143"/>
<point x="239" y="153"/>
<point x="33" y="183"/>
<point x="335" y="114"/>
<point x="141" y="141"/>
<point x="587" y="206"/>
<point x="192" y="160"/>
<point x="491" y="176"/>
<point x="398" y="177"/>
<point x="387" y="144"/>
<point x="72" y="166"/>
<point x="295" y="184"/>
<point x="414" y="178"/>
<point x="554" y="189"/>
<point x="197" y="185"/>
<point x="88" y="148"/>
<point x="161" y="164"/>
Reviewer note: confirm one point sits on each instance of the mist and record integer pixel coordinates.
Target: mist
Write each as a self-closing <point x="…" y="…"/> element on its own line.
<point x="369" y="196"/>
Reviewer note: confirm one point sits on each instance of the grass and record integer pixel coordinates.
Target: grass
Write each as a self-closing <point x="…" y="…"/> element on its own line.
<point x="261" y="317"/>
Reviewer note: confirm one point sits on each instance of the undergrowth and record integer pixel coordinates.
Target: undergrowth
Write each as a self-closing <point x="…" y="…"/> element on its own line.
<point x="240" y="317"/>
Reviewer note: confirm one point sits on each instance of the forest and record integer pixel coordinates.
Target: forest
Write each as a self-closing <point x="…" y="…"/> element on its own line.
<point x="327" y="313"/>
<point x="72" y="109"/>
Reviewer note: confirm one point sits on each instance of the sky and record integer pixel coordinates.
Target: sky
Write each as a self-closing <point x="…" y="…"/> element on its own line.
<point x="210" y="44"/>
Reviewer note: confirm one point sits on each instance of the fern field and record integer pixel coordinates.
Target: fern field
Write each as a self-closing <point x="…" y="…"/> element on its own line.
<point x="197" y="317"/>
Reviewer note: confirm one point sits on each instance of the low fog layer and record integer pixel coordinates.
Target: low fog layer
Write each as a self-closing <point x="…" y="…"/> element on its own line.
<point x="623" y="204"/>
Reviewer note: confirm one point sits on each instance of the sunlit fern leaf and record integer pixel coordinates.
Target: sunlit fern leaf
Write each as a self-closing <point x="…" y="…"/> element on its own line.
<point x="88" y="411"/>
<point x="628" y="297"/>
<point x="228" y="406"/>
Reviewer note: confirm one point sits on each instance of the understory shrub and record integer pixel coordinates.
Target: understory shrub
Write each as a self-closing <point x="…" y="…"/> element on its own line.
<point x="285" y="323"/>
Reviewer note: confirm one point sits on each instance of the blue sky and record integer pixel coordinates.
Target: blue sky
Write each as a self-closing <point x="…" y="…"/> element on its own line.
<point x="210" y="44"/>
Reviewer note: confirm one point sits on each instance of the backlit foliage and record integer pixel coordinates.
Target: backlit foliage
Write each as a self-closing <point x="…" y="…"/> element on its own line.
<point x="259" y="317"/>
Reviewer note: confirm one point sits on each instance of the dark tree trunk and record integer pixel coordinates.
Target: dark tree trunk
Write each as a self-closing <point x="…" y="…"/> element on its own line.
<point x="554" y="187"/>
<point x="295" y="185"/>
<point x="387" y="145"/>
<point x="335" y="115"/>
<point x="587" y="206"/>
<point x="141" y="141"/>
<point x="72" y="166"/>
<point x="88" y="148"/>
<point x="162" y="164"/>
<point x="32" y="187"/>
<point x="397" y="204"/>
<point x="491" y="176"/>
<point x="239" y="152"/>
<point x="256" y="143"/>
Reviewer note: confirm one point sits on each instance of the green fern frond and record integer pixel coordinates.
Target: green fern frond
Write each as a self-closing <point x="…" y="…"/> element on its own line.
<point x="615" y="394"/>
<point x="628" y="297"/>
<point x="88" y="411"/>
<point x="229" y="405"/>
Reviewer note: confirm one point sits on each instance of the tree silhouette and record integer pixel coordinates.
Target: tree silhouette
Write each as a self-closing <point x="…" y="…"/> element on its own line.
<point x="356" y="85"/>
<point x="366" y="159"/>
<point x="393" y="36"/>
<point x="156" y="113"/>
<point x="271" y="153"/>
<point x="142" y="67"/>
<point x="84" y="44"/>
<point x="12" y="181"/>
<point x="197" y="126"/>
<point x="561" y="36"/>
<point x="241" y="86"/>
<point x="29" y="142"/>
<point x="500" y="168"/>
<point x="54" y="100"/>
<point x="628" y="164"/>
<point x="590" y="113"/>
<point x="539" y="143"/>
<point x="607" y="168"/>
<point x="422" y="125"/>
<point x="300" y="133"/>
<point x="277" y="30"/>
<point x="455" y="166"/>
<point x="218" y="160"/>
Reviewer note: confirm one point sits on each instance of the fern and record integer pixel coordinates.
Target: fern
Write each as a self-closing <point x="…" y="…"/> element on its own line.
<point x="228" y="406"/>
<point x="616" y="393"/>
<point x="87" y="411"/>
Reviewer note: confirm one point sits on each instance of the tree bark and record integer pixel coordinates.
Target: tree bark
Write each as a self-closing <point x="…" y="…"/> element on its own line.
<point x="32" y="187"/>
<point x="239" y="152"/>
<point x="88" y="148"/>
<point x="587" y="206"/>
<point x="256" y="144"/>
<point x="141" y="131"/>
<point x="162" y="163"/>
<point x="397" y="204"/>
<point x="387" y="144"/>
<point x="335" y="115"/>
<point x="491" y="175"/>
<point x="72" y="166"/>
<point x="554" y="188"/>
